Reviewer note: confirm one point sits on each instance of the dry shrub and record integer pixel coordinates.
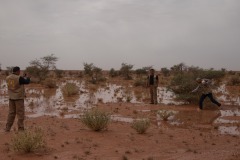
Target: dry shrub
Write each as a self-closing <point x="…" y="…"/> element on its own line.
<point x="140" y="82"/>
<point x="141" y="125"/>
<point x="50" y="83"/>
<point x="95" y="119"/>
<point x="70" y="89"/>
<point x="165" y="114"/>
<point x="28" y="141"/>
<point x="234" y="80"/>
<point x="128" y="98"/>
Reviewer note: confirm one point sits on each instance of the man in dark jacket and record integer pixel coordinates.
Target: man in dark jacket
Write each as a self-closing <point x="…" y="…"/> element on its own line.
<point x="152" y="83"/>
<point x="16" y="93"/>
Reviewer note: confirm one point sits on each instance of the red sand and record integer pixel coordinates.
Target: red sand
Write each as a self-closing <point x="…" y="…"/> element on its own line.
<point x="69" y="139"/>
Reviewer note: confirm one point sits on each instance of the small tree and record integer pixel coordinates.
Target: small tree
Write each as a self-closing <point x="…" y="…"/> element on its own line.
<point x="183" y="81"/>
<point x="182" y="85"/>
<point x="165" y="71"/>
<point x="94" y="72"/>
<point x="39" y="68"/>
<point x="142" y="71"/>
<point x="179" y="68"/>
<point x="113" y="72"/>
<point x="125" y="71"/>
<point x="88" y="69"/>
<point x="46" y="63"/>
<point x="97" y="73"/>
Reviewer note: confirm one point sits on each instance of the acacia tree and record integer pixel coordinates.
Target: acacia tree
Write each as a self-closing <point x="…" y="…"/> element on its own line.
<point x="88" y="68"/>
<point x="39" y="68"/>
<point x="45" y="63"/>
<point x="165" y="71"/>
<point x="125" y="71"/>
<point x="143" y="70"/>
<point x="94" y="72"/>
<point x="179" y="68"/>
<point x="113" y="72"/>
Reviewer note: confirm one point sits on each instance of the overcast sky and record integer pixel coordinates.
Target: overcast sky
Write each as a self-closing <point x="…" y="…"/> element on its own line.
<point x="107" y="33"/>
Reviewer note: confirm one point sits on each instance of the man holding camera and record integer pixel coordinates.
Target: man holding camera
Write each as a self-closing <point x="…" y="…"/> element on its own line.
<point x="16" y="93"/>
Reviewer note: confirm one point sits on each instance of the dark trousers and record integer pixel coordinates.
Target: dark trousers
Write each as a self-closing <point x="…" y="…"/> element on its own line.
<point x="210" y="96"/>
<point x="16" y="107"/>
<point x="153" y="93"/>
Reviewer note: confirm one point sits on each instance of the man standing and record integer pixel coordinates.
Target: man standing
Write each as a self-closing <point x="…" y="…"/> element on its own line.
<point x="152" y="83"/>
<point x="16" y="93"/>
<point x="206" y="89"/>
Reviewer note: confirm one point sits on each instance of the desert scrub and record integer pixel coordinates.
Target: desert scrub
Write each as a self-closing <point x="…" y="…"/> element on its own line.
<point x="234" y="80"/>
<point x="141" y="125"/>
<point x="50" y="83"/>
<point x="139" y="82"/>
<point x="128" y="98"/>
<point x="28" y="141"/>
<point x="165" y="114"/>
<point x="95" y="119"/>
<point x="70" y="89"/>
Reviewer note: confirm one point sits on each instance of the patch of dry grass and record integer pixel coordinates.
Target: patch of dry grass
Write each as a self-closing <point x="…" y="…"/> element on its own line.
<point x="28" y="141"/>
<point x="95" y="119"/>
<point x="141" y="125"/>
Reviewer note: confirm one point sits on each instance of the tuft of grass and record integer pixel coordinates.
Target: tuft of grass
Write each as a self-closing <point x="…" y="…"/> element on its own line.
<point x="139" y="82"/>
<point x="128" y="98"/>
<point x="70" y="89"/>
<point x="50" y="83"/>
<point x="95" y="119"/>
<point x="28" y="141"/>
<point x="165" y="114"/>
<point x="31" y="105"/>
<point x="141" y="125"/>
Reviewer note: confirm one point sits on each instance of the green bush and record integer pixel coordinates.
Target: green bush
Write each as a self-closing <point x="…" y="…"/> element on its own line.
<point x="70" y="89"/>
<point x="95" y="119"/>
<point x="141" y="125"/>
<point x="28" y="141"/>
<point x="212" y="74"/>
<point x="141" y="71"/>
<point x="184" y="82"/>
<point x="182" y="85"/>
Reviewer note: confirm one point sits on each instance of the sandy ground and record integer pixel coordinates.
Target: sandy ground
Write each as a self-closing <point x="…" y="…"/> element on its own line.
<point x="68" y="139"/>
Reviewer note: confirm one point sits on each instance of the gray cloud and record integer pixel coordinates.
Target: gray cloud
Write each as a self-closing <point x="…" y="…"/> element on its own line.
<point x="108" y="32"/>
